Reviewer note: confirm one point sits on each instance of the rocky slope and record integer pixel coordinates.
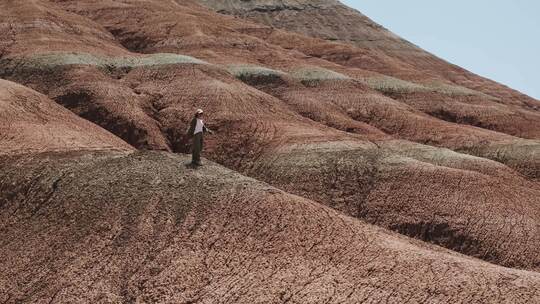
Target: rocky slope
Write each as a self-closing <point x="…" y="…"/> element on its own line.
<point x="332" y="21"/>
<point x="329" y="20"/>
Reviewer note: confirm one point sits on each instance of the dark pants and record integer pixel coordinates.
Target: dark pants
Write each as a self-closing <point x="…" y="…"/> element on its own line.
<point x="197" y="148"/>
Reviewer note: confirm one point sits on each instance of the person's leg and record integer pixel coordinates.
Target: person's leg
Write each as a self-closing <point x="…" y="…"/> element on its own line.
<point x="202" y="147"/>
<point x="197" y="147"/>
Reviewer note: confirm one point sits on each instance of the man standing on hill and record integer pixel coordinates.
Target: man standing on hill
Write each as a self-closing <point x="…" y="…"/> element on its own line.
<point x="196" y="131"/>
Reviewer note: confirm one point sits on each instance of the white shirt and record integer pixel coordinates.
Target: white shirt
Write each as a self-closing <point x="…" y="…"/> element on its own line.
<point x="199" y="126"/>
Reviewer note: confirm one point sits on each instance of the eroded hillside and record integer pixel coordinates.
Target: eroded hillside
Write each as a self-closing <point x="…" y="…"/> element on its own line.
<point x="112" y="225"/>
<point x="367" y="130"/>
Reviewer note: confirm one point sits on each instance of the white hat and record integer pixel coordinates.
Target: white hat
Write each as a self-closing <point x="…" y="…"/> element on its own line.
<point x="199" y="111"/>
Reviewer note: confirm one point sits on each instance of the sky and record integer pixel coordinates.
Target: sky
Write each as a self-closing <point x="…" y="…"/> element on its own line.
<point x="497" y="39"/>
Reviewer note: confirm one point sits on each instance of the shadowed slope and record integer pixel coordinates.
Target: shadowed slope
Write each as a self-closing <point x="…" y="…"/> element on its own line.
<point x="144" y="228"/>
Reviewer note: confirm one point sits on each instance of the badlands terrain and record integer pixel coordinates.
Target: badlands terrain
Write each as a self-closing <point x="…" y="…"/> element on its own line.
<point x="348" y="165"/>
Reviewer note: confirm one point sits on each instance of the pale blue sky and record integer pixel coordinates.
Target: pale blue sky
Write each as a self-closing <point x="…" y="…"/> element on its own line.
<point x="498" y="39"/>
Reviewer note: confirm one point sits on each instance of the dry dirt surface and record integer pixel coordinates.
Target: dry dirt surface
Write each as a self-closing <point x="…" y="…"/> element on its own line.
<point x="360" y="136"/>
<point x="142" y="227"/>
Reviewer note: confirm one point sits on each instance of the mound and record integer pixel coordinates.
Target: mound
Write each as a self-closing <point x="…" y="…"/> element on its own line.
<point x="26" y="23"/>
<point x="345" y="105"/>
<point x="457" y="201"/>
<point x="142" y="227"/>
<point x="30" y="122"/>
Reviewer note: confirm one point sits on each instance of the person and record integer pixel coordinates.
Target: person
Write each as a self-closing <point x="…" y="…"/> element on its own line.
<point x="196" y="131"/>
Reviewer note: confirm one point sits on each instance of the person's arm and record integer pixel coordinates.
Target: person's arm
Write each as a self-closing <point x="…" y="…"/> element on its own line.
<point x="205" y="129"/>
